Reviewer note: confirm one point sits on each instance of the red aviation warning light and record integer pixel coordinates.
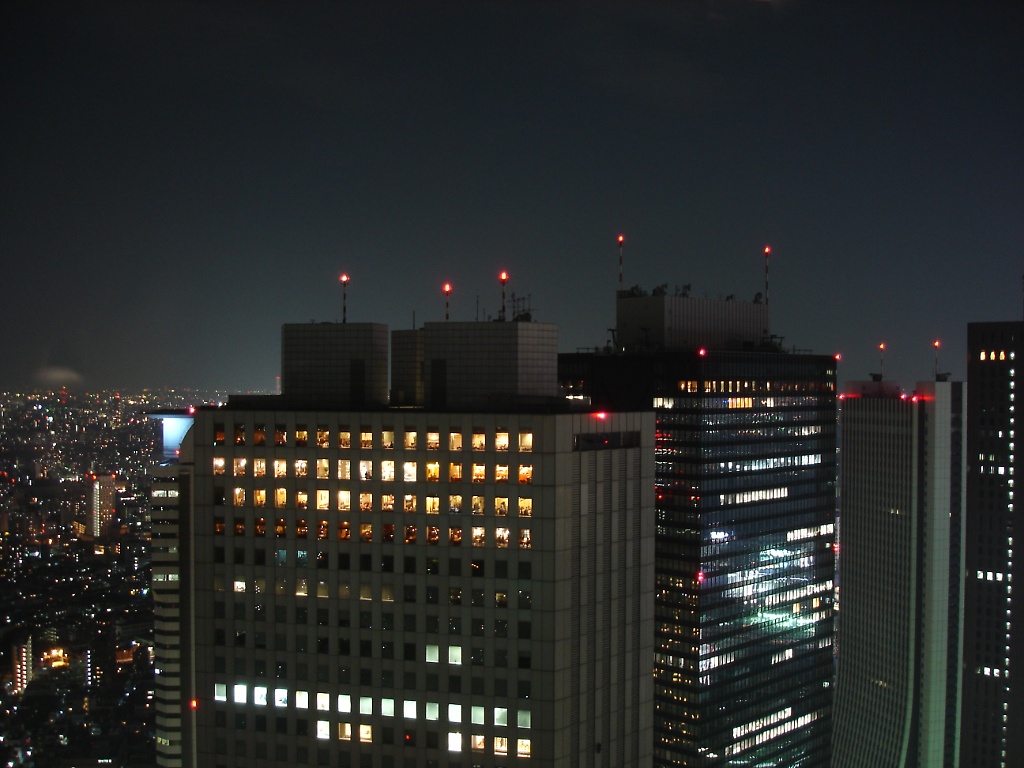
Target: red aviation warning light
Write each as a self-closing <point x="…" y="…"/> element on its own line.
<point x="767" y="250"/>
<point x="702" y="352"/>
<point x="194" y="704"/>
<point x="622" y="239"/>
<point x="447" y="288"/>
<point x="503" y="277"/>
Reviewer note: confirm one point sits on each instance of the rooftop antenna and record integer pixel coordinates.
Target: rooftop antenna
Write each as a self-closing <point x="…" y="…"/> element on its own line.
<point x="344" y="297"/>
<point x="622" y="239"/>
<point x="503" y="278"/>
<point x="447" y="293"/>
<point x="767" y="309"/>
<point x="936" y="345"/>
<point x="881" y="360"/>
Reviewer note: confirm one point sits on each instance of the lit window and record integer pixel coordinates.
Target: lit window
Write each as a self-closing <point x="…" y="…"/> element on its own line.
<point x="218" y="465"/>
<point x="344" y="703"/>
<point x="478" y="505"/>
<point x="366" y="470"/>
<point x="240" y="432"/>
<point x="501" y="506"/>
<point x="410" y="534"/>
<point x="500" y="745"/>
<point x="345" y="731"/>
<point x="365" y="502"/>
<point x="366" y="439"/>
<point x="409" y="503"/>
<point x="259" y="468"/>
<point x="455" y="441"/>
<point x="323" y="437"/>
<point x="523" y="718"/>
<point x="433" y="534"/>
<point x="302" y="587"/>
<point x="366" y="592"/>
<point x="433" y="441"/>
<point x="323" y="469"/>
<point x="239" y="586"/>
<point x="433" y="505"/>
<point x="525" y="474"/>
<point x="388" y="438"/>
<point x="477" y="742"/>
<point x="525" y="540"/>
<point x="388" y="532"/>
<point x="479" y="473"/>
<point x="301" y="437"/>
<point x="322" y="527"/>
<point x="454" y="657"/>
<point x="323" y="729"/>
<point x="301" y="468"/>
<point x="366" y="733"/>
<point x="344" y="501"/>
<point x="280" y="468"/>
<point x="238" y="467"/>
<point x="280" y="497"/>
<point x="261" y="522"/>
<point x="301" y="500"/>
<point x="220" y="692"/>
<point x="410" y="440"/>
<point x="476" y="715"/>
<point x="365" y="705"/>
<point x="302" y="700"/>
<point x="366" y="532"/>
<point x="478" y="441"/>
<point x="501" y="599"/>
<point x="259" y="497"/>
<point x="238" y="497"/>
<point x="387" y="707"/>
<point x="280" y="697"/>
<point x="387" y="502"/>
<point x="259" y="435"/>
<point x="409" y="471"/>
<point x="280" y="435"/>
<point x="259" y="695"/>
<point x="409" y="709"/>
<point x="501" y="441"/>
<point x="479" y="537"/>
<point x="344" y="469"/>
<point x="501" y="538"/>
<point x="454" y="739"/>
<point x="455" y="503"/>
<point x="432" y="654"/>
<point x="455" y="536"/>
<point x="523" y="747"/>
<point x="280" y="528"/>
<point x="500" y="716"/>
<point x="525" y="442"/>
<point x="501" y="473"/>
<point x="345" y="439"/>
<point x="433" y="471"/>
<point x="387" y="471"/>
<point x="455" y="472"/>
<point x="526" y="507"/>
<point x="323" y="499"/>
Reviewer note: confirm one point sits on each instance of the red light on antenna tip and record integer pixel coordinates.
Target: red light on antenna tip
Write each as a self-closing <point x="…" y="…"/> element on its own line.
<point x="344" y="278"/>
<point x="936" y="344"/>
<point x="447" y="287"/>
<point x="767" y="250"/>
<point x="702" y="351"/>
<point x="503" y="276"/>
<point x="838" y="356"/>
<point x="622" y="239"/>
<point x="882" y="345"/>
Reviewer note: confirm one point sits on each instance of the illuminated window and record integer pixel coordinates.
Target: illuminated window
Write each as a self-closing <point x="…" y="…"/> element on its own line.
<point x="238" y="497"/>
<point x="323" y="437"/>
<point x="523" y="718"/>
<point x="344" y="703"/>
<point x="239" y="586"/>
<point x="526" y="507"/>
<point x="322" y="589"/>
<point x="280" y="697"/>
<point x="323" y="499"/>
<point x="259" y="435"/>
<point x="433" y="471"/>
<point x="525" y="442"/>
<point x="387" y="471"/>
<point x="500" y="745"/>
<point x="432" y="710"/>
<point x="433" y="534"/>
<point x="501" y="473"/>
<point x="218" y="465"/>
<point x="477" y="743"/>
<point x="239" y="693"/>
<point x="301" y="528"/>
<point x="366" y="733"/>
<point x="259" y="695"/>
<point x="259" y="468"/>
<point x="525" y="474"/>
<point x="455" y="657"/>
<point x="501" y="506"/>
<point x="501" y="538"/>
<point x="344" y="501"/>
<point x="525" y="540"/>
<point x="387" y="502"/>
<point x="344" y="531"/>
<point x="501" y="441"/>
<point x="523" y="747"/>
<point x="365" y="705"/>
<point x="366" y="439"/>
<point x="345" y="439"/>
<point x="479" y="473"/>
<point x="433" y="505"/>
<point x="344" y="469"/>
<point x="366" y="470"/>
<point x="433" y="441"/>
<point x="366" y="532"/>
<point x="477" y="505"/>
<point x="220" y="692"/>
<point x="365" y="502"/>
<point x="301" y="499"/>
<point x="239" y="434"/>
<point x="455" y="537"/>
<point x="323" y="702"/>
<point x="345" y="731"/>
<point x="261" y="523"/>
<point x="478" y="441"/>
<point x="410" y="534"/>
<point x="323" y="469"/>
<point x="501" y="599"/>
<point x="455" y="472"/>
<point x="238" y="467"/>
<point x="455" y="503"/>
<point x="388" y="532"/>
<point x="301" y="468"/>
<point x="301" y="437"/>
<point x="239" y="526"/>
<point x="479" y="537"/>
<point x="432" y="654"/>
<point x="409" y="503"/>
<point x="409" y="471"/>
<point x="280" y="528"/>
<point x="454" y="739"/>
<point x="455" y="441"/>
<point x="218" y="525"/>
<point x="410" y="440"/>
<point x="323" y="729"/>
<point x="280" y="468"/>
<point x="322" y="528"/>
<point x="409" y="710"/>
<point x="280" y="497"/>
<point x="218" y="434"/>
<point x="388" y="438"/>
<point x="280" y="435"/>
<point x="302" y="700"/>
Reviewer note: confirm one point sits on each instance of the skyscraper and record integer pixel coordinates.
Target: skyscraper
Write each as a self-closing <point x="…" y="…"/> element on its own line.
<point x="745" y="506"/>
<point x="459" y="584"/>
<point x="902" y="483"/>
<point x="993" y="703"/>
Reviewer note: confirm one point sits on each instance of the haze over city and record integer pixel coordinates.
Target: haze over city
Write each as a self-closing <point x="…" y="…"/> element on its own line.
<point x="180" y="179"/>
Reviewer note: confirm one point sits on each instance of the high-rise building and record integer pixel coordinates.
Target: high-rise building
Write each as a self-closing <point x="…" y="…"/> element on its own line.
<point x="23" y="661"/>
<point x="993" y="704"/>
<point x="101" y="504"/>
<point x="745" y="506"/>
<point x="466" y="583"/>
<point x="902" y="485"/>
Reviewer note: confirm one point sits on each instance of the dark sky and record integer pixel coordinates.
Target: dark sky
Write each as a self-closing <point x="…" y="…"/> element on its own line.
<point x="178" y="179"/>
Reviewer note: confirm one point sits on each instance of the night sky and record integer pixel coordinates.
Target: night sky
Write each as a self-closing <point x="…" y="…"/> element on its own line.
<point x="178" y="179"/>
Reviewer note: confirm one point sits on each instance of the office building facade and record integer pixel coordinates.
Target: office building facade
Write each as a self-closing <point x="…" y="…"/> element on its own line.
<point x="993" y="648"/>
<point x="744" y="543"/>
<point x="903" y="487"/>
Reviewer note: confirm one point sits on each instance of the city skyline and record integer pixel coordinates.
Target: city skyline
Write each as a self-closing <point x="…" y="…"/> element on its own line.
<point x="236" y="160"/>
